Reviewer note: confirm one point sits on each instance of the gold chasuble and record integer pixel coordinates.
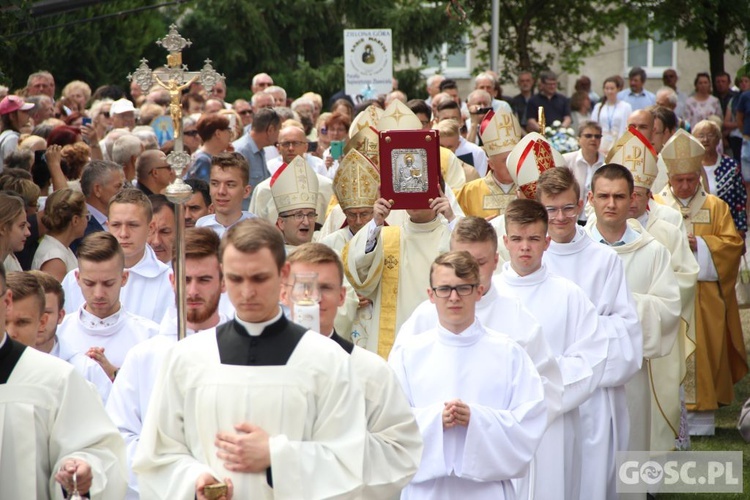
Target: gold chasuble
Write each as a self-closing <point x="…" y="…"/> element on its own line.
<point x="719" y="360"/>
<point x="484" y="197"/>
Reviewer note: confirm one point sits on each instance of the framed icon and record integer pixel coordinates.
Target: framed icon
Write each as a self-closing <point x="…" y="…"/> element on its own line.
<point x="410" y="167"/>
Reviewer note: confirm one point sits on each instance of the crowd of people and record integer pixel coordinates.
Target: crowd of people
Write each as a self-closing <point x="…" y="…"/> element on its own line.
<point x="540" y="314"/>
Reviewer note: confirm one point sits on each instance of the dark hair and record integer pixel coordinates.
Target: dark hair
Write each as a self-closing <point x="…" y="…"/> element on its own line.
<point x="612" y="172"/>
<point x="474" y="230"/>
<point x="665" y="115"/>
<point x="577" y="100"/>
<point x="698" y="77"/>
<point x="208" y="125"/>
<point x="418" y="106"/>
<point x="524" y="211"/>
<point x="638" y="71"/>
<point x="265" y="118"/>
<point x="50" y="285"/>
<point x="25" y="285"/>
<point x="159" y="201"/>
<point x="232" y="160"/>
<point x="448" y="83"/>
<point x="185" y="101"/>
<point x="200" y="186"/>
<point x="447" y="104"/>
<point x="100" y="246"/>
<point x="200" y="242"/>
<point x="555" y="181"/>
<point x="63" y="135"/>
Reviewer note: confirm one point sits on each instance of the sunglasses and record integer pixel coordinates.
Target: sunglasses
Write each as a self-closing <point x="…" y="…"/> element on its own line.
<point x="591" y="136"/>
<point x="191" y="133"/>
<point x="246" y="112"/>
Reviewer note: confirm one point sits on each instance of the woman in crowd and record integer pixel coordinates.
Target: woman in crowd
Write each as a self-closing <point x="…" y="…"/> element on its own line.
<point x="580" y="108"/>
<point x="65" y="217"/>
<point x="13" y="230"/>
<point x="724" y="179"/>
<point x="612" y="114"/>
<point x="14" y="119"/>
<point x="216" y="134"/>
<point x="702" y="104"/>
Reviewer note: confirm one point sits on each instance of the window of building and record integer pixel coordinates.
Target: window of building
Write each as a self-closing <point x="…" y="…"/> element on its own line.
<point x="652" y="54"/>
<point x="454" y="63"/>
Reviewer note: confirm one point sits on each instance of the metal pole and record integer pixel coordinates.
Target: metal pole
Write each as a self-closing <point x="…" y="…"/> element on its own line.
<point x="495" y="34"/>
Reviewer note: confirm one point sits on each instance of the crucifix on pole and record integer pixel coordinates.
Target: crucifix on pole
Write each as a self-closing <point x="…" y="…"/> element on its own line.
<point x="175" y="77"/>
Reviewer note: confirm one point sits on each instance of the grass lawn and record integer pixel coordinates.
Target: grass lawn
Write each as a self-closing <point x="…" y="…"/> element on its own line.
<point x="727" y="437"/>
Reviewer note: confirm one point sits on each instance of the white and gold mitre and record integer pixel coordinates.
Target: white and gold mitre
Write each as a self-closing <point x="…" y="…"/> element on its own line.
<point x="682" y="154"/>
<point x="356" y="182"/>
<point x="294" y="185"/>
<point x="369" y="117"/>
<point x="500" y="131"/>
<point x="635" y="152"/>
<point x="367" y="142"/>
<point x="397" y="116"/>
<point x="528" y="159"/>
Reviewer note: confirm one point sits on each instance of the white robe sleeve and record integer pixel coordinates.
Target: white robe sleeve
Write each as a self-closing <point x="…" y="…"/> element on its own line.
<point x="541" y="355"/>
<point x="659" y="309"/>
<point x="394" y="443"/>
<point x="83" y="431"/>
<point x="500" y="443"/>
<point x="364" y="269"/>
<point x="708" y="270"/>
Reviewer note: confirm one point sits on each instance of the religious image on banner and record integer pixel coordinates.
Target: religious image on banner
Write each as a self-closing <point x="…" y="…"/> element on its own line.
<point x="410" y="174"/>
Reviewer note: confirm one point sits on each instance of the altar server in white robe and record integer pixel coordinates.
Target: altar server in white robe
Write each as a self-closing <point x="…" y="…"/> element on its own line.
<point x="394" y="444"/>
<point x="134" y="384"/>
<point x="477" y="397"/>
<point x="102" y="327"/>
<point x="495" y="310"/>
<point x="635" y="152"/>
<point x="389" y="265"/>
<point x="599" y="272"/>
<point x="52" y="425"/>
<point x="148" y="292"/>
<point x="650" y="278"/>
<point x="258" y="402"/>
<point x="48" y="342"/>
<point x="570" y="325"/>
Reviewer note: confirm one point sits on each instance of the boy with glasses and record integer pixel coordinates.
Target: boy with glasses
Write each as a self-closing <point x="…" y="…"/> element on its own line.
<point x="477" y="398"/>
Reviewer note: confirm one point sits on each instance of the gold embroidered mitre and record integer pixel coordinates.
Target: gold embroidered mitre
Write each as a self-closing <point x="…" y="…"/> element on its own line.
<point x="635" y="152"/>
<point x="683" y="154"/>
<point x="365" y="141"/>
<point x="397" y="116"/>
<point x="356" y="182"/>
<point x="294" y="185"/>
<point x="500" y="131"/>
<point x="367" y="118"/>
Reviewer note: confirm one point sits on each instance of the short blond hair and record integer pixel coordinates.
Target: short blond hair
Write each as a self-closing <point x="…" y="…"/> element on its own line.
<point x="25" y="285"/>
<point x="134" y="196"/>
<point x="252" y="235"/>
<point x="463" y="264"/>
<point x="100" y="246"/>
<point x="317" y="253"/>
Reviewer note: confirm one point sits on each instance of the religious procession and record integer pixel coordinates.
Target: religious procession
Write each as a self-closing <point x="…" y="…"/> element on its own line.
<point x="450" y="295"/>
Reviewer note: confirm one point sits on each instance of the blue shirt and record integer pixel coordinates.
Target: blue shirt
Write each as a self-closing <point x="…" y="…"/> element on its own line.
<point x="743" y="106"/>
<point x="637" y="101"/>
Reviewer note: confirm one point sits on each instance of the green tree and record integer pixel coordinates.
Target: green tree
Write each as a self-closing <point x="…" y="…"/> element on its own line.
<point x="575" y="29"/>
<point x="717" y="26"/>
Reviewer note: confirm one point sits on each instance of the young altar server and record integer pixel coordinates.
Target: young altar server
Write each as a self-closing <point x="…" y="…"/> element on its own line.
<point x="477" y="397"/>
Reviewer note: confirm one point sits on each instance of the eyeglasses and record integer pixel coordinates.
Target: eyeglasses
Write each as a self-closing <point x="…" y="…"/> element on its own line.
<point x="163" y="168"/>
<point x="299" y="216"/>
<point x="292" y="144"/>
<point x="444" y="292"/>
<point x="247" y="112"/>
<point x="190" y="133"/>
<point x="106" y="114"/>
<point x="567" y="211"/>
<point x="591" y="136"/>
<point x="356" y="216"/>
<point x="703" y="137"/>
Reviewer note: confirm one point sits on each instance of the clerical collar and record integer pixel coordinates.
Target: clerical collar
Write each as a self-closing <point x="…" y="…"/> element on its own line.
<point x="255" y="329"/>
<point x="96" y="323"/>
<point x="507" y="188"/>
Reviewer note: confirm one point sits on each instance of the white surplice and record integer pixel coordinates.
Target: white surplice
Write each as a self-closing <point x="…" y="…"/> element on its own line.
<point x="497" y="380"/>
<point x="147" y="293"/>
<point x="599" y="272"/>
<point x="134" y="384"/>
<point x="314" y="415"/>
<point x="117" y="334"/>
<point x="394" y="443"/>
<point x="570" y="324"/>
<point x="648" y="271"/>
<point x="49" y="413"/>
<point x="90" y="369"/>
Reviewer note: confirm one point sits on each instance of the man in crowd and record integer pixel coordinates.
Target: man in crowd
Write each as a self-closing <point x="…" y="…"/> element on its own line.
<point x="308" y="436"/>
<point x="260" y="82"/>
<point x="66" y="433"/>
<point x="723" y="90"/>
<point x="720" y="359"/>
<point x="102" y="327"/>
<point x="394" y="444"/>
<point x="263" y="132"/>
<point x="153" y="172"/>
<point x="486" y="82"/>
<point x="199" y="204"/>
<point x="556" y="106"/>
<point x="161" y="239"/>
<point x="636" y="95"/>
<point x="135" y="380"/>
<point x="433" y="87"/>
<point x="520" y="102"/>
<point x="229" y="188"/>
<point x="125" y="152"/>
<point x="477" y="397"/>
<point x="570" y="251"/>
<point x="100" y="181"/>
<point x="41" y="83"/>
<point x="123" y="114"/>
<point x="147" y="292"/>
<point x="669" y="78"/>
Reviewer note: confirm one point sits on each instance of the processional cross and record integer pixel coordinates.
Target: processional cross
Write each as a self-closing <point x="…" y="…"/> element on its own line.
<point x="174" y="77"/>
